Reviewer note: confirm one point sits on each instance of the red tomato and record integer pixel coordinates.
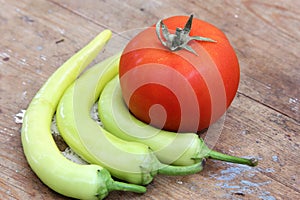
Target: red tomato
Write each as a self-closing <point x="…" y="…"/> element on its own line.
<point x="179" y="90"/>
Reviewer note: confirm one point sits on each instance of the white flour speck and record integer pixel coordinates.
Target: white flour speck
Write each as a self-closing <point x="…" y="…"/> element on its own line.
<point x="54" y="129"/>
<point x="19" y="117"/>
<point x="43" y="57"/>
<point x="71" y="155"/>
<point x="4" y="55"/>
<point x="94" y="114"/>
<point x="294" y="103"/>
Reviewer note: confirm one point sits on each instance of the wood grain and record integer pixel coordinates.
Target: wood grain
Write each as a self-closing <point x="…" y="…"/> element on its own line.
<point x="263" y="121"/>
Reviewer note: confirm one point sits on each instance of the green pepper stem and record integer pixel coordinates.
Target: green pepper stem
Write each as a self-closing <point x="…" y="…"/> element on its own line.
<point x="116" y="185"/>
<point x="206" y="152"/>
<point x="107" y="184"/>
<point x="224" y="157"/>
<point x="181" y="170"/>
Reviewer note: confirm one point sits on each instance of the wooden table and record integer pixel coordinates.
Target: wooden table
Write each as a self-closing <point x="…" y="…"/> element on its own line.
<point x="37" y="36"/>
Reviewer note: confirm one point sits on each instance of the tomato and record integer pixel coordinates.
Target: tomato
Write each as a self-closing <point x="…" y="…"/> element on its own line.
<point x="185" y="90"/>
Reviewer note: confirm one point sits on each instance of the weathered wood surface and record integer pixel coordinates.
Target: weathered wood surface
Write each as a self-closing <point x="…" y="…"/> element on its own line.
<point x="263" y="121"/>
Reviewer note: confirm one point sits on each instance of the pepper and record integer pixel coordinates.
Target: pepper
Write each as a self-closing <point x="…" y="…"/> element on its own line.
<point x="45" y="159"/>
<point x="169" y="147"/>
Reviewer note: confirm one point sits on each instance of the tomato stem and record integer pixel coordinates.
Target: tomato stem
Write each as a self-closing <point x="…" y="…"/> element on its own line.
<point x="180" y="39"/>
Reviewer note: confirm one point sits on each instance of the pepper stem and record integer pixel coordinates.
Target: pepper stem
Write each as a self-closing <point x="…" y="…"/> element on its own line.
<point x="224" y="157"/>
<point x="181" y="170"/>
<point x="205" y="152"/>
<point x="107" y="184"/>
<point x="116" y="185"/>
<point x="180" y="39"/>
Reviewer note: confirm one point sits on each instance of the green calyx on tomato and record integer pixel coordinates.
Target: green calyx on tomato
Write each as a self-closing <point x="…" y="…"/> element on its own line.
<point x="181" y="38"/>
<point x="177" y="90"/>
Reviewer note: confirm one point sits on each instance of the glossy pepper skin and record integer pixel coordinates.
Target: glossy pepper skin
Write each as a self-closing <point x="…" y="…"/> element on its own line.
<point x="45" y="159"/>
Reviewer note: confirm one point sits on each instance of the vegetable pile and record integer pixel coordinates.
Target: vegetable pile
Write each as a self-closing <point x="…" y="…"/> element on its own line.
<point x="133" y="145"/>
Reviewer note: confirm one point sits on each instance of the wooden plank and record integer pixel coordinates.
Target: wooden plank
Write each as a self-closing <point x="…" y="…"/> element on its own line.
<point x="38" y="36"/>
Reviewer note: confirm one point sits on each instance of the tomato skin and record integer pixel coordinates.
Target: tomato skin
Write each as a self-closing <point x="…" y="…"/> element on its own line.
<point x="195" y="90"/>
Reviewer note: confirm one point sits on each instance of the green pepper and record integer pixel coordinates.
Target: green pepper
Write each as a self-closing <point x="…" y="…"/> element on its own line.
<point x="42" y="154"/>
<point x="169" y="147"/>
